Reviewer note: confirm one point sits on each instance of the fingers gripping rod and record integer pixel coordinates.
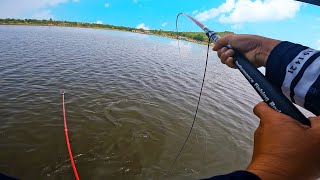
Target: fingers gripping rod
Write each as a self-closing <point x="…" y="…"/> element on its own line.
<point x="270" y="94"/>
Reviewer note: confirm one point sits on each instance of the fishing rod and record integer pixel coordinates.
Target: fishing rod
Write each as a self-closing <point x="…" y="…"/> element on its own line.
<point x="314" y="2"/>
<point x="270" y="95"/>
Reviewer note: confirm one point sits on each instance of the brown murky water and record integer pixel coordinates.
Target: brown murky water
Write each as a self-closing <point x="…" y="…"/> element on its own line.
<point x="130" y="100"/>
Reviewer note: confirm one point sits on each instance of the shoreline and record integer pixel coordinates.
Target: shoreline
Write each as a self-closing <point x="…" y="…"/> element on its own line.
<point x="165" y="34"/>
<point x="53" y="25"/>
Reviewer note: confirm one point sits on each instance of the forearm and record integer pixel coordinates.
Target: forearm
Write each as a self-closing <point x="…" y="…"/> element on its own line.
<point x="295" y="70"/>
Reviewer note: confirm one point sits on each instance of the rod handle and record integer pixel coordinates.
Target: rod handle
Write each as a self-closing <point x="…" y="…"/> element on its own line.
<point x="269" y="93"/>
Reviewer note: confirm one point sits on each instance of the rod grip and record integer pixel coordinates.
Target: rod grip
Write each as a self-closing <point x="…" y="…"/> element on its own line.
<point x="270" y="94"/>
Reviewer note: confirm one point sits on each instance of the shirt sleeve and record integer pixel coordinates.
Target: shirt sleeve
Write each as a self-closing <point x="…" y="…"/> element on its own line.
<point x="237" y="175"/>
<point x="5" y="177"/>
<point x="295" y="69"/>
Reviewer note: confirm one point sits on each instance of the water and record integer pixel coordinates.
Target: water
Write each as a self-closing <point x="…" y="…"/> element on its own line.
<point x="130" y="99"/>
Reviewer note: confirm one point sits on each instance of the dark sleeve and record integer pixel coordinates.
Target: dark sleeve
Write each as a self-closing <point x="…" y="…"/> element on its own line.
<point x="295" y="69"/>
<point x="238" y="175"/>
<point x="5" y="177"/>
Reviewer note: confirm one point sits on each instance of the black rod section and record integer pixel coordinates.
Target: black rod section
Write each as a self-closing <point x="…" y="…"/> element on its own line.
<point x="270" y="94"/>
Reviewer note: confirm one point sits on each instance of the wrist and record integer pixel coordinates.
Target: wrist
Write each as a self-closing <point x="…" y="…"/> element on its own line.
<point x="276" y="167"/>
<point x="266" y="47"/>
<point x="269" y="168"/>
<point x="264" y="174"/>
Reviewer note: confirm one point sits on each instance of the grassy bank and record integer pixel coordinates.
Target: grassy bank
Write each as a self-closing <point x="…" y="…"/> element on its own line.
<point x="197" y="37"/>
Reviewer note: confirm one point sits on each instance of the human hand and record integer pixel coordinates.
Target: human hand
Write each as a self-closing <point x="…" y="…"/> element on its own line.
<point x="255" y="48"/>
<point x="284" y="148"/>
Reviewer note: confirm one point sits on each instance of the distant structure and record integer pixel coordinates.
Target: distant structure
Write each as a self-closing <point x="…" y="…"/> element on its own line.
<point x="183" y="38"/>
<point x="141" y="31"/>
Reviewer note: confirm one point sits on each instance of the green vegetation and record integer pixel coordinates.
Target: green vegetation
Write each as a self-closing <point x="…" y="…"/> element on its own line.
<point x="198" y="37"/>
<point x="51" y="22"/>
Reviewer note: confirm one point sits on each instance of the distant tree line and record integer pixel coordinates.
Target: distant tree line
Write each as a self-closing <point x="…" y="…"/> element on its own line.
<point x="61" y="23"/>
<point x="196" y="36"/>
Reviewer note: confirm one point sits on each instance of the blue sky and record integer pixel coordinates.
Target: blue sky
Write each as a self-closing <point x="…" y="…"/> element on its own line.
<point x="280" y="19"/>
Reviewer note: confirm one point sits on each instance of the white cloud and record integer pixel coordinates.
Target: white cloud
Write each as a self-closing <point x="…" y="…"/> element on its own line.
<point x="195" y="12"/>
<point x="142" y="26"/>
<point x="241" y="11"/>
<point x="164" y="24"/>
<point x="28" y="9"/>
<point x="106" y="5"/>
<point x="99" y="22"/>
<point x="214" y="12"/>
<point x="268" y="10"/>
<point x="318" y="44"/>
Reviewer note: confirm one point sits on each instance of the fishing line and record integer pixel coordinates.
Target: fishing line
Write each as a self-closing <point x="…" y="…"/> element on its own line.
<point x="272" y="96"/>
<point x="199" y="99"/>
<point x="67" y="139"/>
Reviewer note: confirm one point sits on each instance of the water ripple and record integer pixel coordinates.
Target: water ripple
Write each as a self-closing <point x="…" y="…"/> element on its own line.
<point x="130" y="99"/>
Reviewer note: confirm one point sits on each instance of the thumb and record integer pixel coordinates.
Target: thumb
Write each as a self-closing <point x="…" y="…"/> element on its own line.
<point x="315" y="122"/>
<point x="272" y="117"/>
<point x="269" y="115"/>
<point x="222" y="42"/>
<point x="262" y="110"/>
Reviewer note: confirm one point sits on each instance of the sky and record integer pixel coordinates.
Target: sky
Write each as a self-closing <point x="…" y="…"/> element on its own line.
<point x="280" y="19"/>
